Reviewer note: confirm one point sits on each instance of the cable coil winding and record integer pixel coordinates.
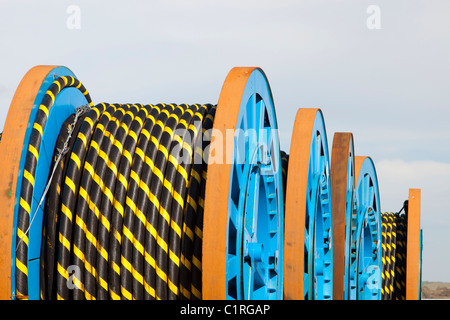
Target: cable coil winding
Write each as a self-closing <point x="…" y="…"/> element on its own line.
<point x="123" y="214"/>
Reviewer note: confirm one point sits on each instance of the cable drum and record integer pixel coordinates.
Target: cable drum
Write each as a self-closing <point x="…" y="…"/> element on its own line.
<point x="123" y="215"/>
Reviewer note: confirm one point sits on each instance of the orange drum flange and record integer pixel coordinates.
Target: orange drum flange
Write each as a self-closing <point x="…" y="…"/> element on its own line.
<point x="11" y="151"/>
<point x="413" y="246"/>
<point x="342" y="190"/>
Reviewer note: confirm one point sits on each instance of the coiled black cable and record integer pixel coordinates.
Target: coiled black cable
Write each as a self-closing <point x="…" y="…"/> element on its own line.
<point x="89" y="141"/>
<point x="135" y="219"/>
<point x="192" y="206"/>
<point x="109" y="182"/>
<point x="394" y="227"/>
<point x="124" y="206"/>
<point x="284" y="170"/>
<point x="49" y="223"/>
<point x="400" y="258"/>
<point x="94" y="215"/>
<point x="140" y="124"/>
<point x="27" y="187"/>
<point x="185" y="162"/>
<point x="166" y="161"/>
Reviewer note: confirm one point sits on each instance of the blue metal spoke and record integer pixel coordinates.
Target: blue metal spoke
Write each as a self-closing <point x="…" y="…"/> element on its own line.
<point x="232" y="267"/>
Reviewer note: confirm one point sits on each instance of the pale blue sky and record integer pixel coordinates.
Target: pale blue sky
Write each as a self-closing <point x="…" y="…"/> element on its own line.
<point x="390" y="87"/>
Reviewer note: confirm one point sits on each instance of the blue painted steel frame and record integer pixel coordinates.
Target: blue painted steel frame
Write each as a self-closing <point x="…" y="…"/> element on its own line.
<point x="65" y="104"/>
<point x="255" y="229"/>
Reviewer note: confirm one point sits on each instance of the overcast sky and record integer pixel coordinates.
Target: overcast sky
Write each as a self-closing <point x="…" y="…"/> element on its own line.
<point x="389" y="86"/>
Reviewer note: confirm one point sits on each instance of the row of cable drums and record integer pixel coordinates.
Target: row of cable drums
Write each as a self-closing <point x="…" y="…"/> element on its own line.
<point x="188" y="201"/>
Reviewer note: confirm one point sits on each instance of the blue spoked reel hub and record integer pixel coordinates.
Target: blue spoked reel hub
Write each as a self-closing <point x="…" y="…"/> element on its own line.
<point x="308" y="207"/>
<point x="255" y="211"/>
<point x="244" y="206"/>
<point x="365" y="265"/>
<point x="64" y="105"/>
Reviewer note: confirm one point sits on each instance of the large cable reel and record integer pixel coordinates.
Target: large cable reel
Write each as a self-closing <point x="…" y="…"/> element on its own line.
<point x="255" y="223"/>
<point x="247" y="221"/>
